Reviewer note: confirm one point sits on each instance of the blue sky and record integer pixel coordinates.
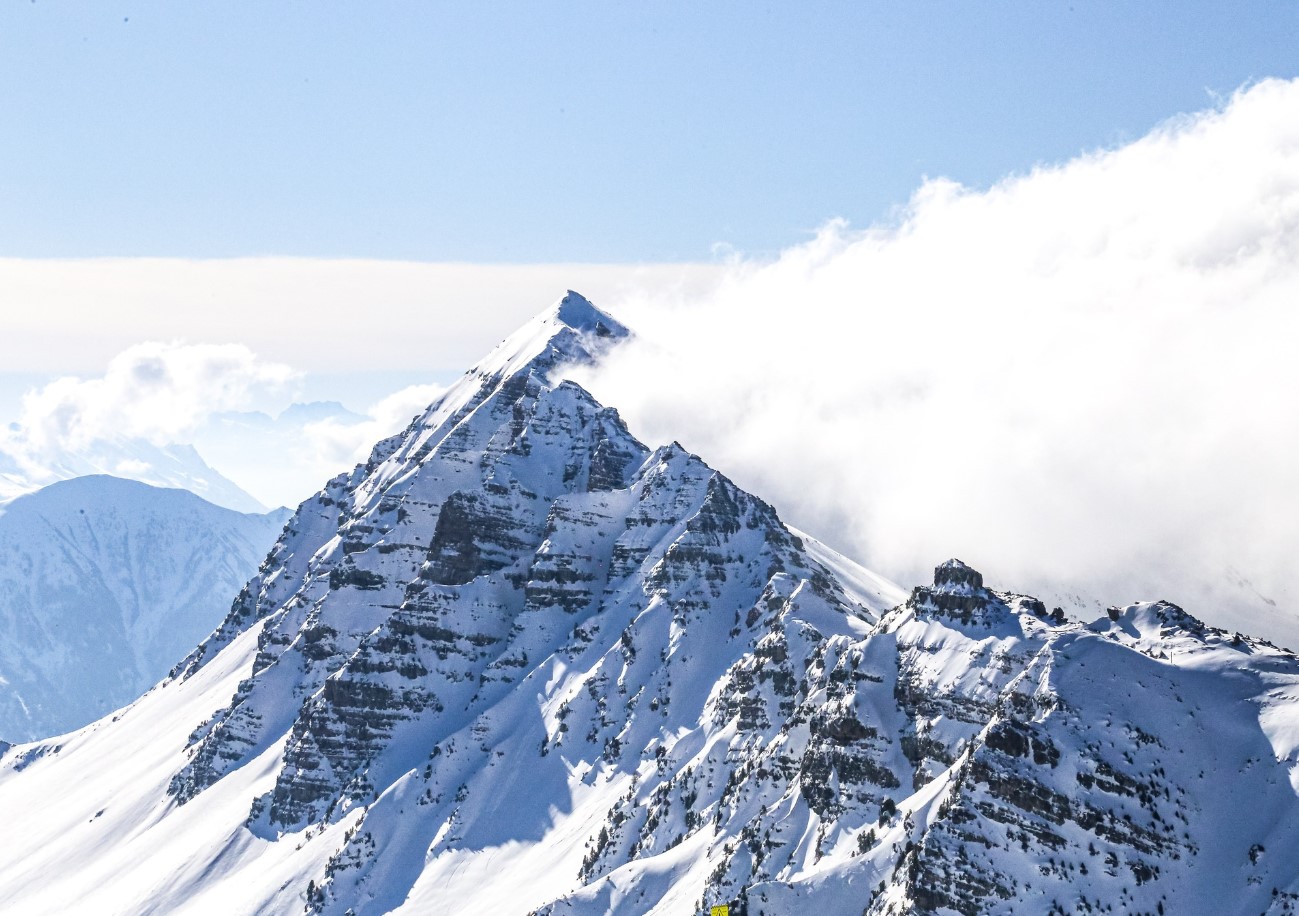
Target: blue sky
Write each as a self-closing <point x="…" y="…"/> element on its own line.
<point x="541" y="131"/>
<point x="1077" y="376"/>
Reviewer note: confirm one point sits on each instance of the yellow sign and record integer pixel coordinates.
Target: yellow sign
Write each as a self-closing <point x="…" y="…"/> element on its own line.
<point x="721" y="910"/>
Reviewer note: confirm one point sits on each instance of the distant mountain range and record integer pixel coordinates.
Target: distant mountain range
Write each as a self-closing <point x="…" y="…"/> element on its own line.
<point x="106" y="583"/>
<point x="519" y="662"/>
<point x="169" y="466"/>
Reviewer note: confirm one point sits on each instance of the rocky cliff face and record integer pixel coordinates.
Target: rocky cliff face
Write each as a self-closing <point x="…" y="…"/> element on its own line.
<point x="975" y="754"/>
<point x="515" y="542"/>
<point x="519" y="662"/>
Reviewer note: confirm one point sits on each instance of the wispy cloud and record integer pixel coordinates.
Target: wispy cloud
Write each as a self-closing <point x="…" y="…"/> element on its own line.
<point x="343" y="443"/>
<point x="1082" y="377"/>
<point x="204" y="394"/>
<point x="159" y="392"/>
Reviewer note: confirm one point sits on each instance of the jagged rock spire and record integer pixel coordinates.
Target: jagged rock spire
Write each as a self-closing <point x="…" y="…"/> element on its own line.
<point x="956" y="578"/>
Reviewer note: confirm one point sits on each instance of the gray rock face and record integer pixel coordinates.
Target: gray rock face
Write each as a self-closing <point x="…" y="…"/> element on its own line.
<point x="493" y="539"/>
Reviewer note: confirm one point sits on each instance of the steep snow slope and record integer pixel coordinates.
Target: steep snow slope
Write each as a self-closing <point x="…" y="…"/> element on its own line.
<point x="170" y="466"/>
<point x="519" y="662"/>
<point x="104" y="585"/>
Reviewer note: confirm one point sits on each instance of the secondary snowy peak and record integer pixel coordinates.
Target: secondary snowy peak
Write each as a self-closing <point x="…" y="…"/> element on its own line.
<point x="104" y="584"/>
<point x="23" y="471"/>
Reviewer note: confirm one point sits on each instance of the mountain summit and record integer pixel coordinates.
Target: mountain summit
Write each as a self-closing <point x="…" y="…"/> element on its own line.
<point x="570" y="331"/>
<point x="518" y="661"/>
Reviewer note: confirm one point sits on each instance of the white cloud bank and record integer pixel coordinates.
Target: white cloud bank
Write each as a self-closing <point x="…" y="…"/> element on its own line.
<point x="318" y="315"/>
<point x="1083" y="378"/>
<point x="159" y="392"/>
<point x="231" y="403"/>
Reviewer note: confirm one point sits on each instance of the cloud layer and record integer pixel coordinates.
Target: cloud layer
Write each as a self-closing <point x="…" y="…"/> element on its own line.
<point x="160" y="392"/>
<point x="222" y="397"/>
<point x="319" y="315"/>
<point x="1080" y="379"/>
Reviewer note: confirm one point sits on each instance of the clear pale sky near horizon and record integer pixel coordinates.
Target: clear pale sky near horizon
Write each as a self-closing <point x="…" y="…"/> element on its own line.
<point x="575" y="132"/>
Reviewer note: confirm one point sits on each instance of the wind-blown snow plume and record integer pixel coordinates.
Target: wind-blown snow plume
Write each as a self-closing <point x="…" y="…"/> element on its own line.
<point x="1082" y="377"/>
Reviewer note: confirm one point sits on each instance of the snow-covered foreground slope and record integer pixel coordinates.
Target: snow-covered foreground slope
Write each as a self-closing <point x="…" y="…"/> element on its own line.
<point x="518" y="662"/>
<point x="104" y="585"/>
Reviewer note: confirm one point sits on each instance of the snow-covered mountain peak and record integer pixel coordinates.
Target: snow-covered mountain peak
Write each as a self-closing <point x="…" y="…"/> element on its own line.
<point x="519" y="662"/>
<point x="104" y="583"/>
<point x="1155" y="625"/>
<point x="577" y="312"/>
<point x="495" y="569"/>
<point x="572" y="330"/>
<point x="165" y="466"/>
<point x="94" y="493"/>
<point x="1161" y="615"/>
